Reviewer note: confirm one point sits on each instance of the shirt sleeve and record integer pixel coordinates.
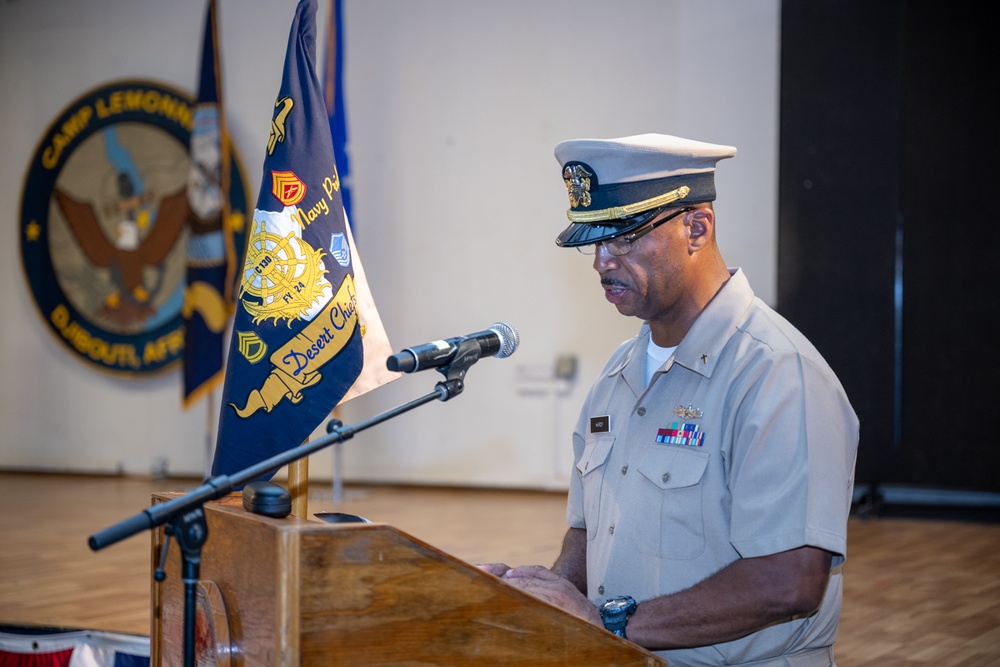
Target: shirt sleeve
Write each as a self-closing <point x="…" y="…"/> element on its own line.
<point x="792" y="460"/>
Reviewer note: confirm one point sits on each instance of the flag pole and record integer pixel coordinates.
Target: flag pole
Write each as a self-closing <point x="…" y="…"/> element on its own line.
<point x="338" y="473"/>
<point x="209" y="444"/>
<point x="336" y="481"/>
<point x="298" y="486"/>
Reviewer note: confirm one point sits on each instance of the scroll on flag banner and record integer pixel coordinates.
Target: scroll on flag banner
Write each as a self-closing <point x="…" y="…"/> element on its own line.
<point x="211" y="257"/>
<point x="306" y="334"/>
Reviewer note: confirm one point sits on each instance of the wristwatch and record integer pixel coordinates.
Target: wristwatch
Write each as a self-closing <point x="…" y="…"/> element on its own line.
<point x="615" y="613"/>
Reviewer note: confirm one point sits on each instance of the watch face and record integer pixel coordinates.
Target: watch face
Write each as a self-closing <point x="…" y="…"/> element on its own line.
<point x="618" y="609"/>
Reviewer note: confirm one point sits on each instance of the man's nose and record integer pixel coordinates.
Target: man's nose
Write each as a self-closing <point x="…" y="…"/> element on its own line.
<point x="603" y="259"/>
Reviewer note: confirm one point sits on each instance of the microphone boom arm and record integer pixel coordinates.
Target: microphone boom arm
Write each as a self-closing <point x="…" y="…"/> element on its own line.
<point x="221" y="485"/>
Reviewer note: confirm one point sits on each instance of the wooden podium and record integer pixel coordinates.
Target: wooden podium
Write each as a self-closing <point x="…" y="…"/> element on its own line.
<point x="297" y="592"/>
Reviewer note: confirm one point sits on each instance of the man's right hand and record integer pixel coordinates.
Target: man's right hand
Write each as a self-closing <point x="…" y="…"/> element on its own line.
<point x="496" y="569"/>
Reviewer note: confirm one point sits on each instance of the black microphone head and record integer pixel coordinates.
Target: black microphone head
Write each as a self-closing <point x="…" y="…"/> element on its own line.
<point x="509" y="339"/>
<point x="402" y="362"/>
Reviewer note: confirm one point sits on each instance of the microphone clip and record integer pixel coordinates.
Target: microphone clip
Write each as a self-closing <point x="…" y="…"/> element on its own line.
<point x="469" y="352"/>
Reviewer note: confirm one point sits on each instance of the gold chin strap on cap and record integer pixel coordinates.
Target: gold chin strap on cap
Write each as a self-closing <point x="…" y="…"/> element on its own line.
<point x="618" y="212"/>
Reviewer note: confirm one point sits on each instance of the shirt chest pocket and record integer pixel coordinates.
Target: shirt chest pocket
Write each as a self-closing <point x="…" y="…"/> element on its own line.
<point x="595" y="453"/>
<point x="671" y="502"/>
<point x="591" y="467"/>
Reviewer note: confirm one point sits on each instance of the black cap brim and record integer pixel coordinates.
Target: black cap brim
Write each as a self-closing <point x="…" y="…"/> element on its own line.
<point x="580" y="234"/>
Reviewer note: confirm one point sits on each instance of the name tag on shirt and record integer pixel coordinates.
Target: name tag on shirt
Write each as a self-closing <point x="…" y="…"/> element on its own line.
<point x="600" y="424"/>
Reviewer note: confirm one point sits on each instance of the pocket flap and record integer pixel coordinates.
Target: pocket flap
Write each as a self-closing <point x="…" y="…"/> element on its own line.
<point x="595" y="453"/>
<point x="674" y="467"/>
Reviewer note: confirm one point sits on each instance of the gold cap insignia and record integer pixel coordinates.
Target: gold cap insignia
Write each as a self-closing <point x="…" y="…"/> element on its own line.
<point x="577" y="180"/>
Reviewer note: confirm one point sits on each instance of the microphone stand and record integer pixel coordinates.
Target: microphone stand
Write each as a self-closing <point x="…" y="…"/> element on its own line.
<point x="186" y="516"/>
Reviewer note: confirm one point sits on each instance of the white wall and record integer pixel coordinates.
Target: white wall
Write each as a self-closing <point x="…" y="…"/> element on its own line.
<point x="453" y="107"/>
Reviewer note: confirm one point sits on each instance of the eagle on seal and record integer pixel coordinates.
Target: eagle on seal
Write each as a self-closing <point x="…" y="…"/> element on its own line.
<point x="127" y="254"/>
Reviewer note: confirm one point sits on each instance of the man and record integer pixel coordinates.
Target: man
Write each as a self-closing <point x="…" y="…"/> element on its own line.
<point x="715" y="452"/>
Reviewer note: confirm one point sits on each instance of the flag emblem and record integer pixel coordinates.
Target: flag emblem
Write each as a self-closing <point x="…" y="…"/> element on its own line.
<point x="251" y="346"/>
<point x="277" y="136"/>
<point x="340" y="249"/>
<point x="287" y="187"/>
<point x="283" y="277"/>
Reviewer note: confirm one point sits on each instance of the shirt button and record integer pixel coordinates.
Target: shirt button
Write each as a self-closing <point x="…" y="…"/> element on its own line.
<point x="666" y="477"/>
<point x="600" y="589"/>
<point x="611" y="530"/>
<point x="624" y="469"/>
<point x="641" y="411"/>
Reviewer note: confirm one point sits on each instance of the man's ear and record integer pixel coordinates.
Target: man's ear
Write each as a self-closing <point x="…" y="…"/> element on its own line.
<point x="700" y="224"/>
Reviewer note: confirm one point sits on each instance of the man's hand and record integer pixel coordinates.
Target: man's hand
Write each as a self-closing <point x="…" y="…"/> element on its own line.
<point x="549" y="586"/>
<point x="496" y="569"/>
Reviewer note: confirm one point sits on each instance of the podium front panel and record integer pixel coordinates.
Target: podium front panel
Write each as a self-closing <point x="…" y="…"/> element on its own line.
<point x="298" y="592"/>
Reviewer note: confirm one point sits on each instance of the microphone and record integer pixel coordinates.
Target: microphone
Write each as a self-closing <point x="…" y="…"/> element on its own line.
<point x="499" y="341"/>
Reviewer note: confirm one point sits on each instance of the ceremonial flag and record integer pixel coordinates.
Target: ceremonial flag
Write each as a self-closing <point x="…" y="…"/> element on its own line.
<point x="208" y="298"/>
<point x="306" y="325"/>
<point x="333" y="95"/>
<point x="44" y="647"/>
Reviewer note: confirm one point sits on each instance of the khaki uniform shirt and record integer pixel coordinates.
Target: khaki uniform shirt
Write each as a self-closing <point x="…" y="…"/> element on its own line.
<point x="742" y="445"/>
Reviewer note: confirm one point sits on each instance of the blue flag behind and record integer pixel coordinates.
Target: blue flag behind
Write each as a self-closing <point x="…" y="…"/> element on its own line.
<point x="297" y="346"/>
<point x="211" y="255"/>
<point x="333" y="90"/>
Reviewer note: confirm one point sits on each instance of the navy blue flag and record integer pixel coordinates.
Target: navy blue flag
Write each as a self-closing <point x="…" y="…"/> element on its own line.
<point x="304" y="305"/>
<point x="211" y="256"/>
<point x="333" y="90"/>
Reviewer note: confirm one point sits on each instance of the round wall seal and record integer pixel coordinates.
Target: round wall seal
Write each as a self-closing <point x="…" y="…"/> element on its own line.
<point x="106" y="224"/>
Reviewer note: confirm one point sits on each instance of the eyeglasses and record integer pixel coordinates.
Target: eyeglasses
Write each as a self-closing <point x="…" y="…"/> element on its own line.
<point x="622" y="245"/>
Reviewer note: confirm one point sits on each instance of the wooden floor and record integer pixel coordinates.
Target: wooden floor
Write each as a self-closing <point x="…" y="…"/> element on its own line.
<point x="918" y="592"/>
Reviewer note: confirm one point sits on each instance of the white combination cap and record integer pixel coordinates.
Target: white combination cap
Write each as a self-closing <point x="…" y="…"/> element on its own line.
<point x="617" y="185"/>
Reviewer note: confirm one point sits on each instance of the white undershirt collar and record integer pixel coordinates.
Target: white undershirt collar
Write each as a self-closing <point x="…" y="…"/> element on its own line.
<point x="656" y="356"/>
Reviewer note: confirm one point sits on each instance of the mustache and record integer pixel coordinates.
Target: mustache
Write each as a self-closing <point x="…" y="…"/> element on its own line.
<point x="613" y="282"/>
